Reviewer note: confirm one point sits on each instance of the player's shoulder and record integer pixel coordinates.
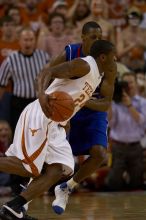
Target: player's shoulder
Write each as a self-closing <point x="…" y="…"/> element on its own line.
<point x="72" y="51"/>
<point x="72" y="47"/>
<point x="89" y="59"/>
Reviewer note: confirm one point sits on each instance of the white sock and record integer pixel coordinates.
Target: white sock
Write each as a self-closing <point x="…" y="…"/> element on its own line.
<point x="71" y="183"/>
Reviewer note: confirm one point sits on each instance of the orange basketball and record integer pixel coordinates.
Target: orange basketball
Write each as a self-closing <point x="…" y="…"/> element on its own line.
<point x="62" y="106"/>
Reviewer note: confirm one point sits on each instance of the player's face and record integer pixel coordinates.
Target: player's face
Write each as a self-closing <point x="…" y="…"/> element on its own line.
<point x="89" y="38"/>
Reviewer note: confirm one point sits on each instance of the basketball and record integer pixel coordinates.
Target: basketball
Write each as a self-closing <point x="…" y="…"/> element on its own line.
<point x="62" y="106"/>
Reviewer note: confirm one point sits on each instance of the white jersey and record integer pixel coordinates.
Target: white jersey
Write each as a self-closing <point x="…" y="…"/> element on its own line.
<point x="81" y="89"/>
<point x="40" y="140"/>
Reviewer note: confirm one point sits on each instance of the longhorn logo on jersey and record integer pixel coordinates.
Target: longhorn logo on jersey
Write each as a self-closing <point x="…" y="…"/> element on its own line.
<point x="33" y="131"/>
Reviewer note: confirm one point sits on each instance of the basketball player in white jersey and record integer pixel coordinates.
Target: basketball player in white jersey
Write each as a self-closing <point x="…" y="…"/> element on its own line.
<point x="44" y="154"/>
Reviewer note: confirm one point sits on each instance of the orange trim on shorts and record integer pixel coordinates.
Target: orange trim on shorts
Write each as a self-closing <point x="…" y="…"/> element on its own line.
<point x="30" y="159"/>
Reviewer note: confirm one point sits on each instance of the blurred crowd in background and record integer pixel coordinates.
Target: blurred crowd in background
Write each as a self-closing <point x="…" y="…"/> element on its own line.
<point x="48" y="26"/>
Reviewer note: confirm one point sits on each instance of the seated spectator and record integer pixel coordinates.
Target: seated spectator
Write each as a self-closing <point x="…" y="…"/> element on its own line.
<point x="30" y="14"/>
<point x="14" y="12"/>
<point x="8" y="44"/>
<point x="8" y="40"/>
<point x="79" y="11"/>
<point x="56" y="40"/>
<point x="121" y="69"/>
<point x="60" y="7"/>
<point x="45" y="6"/>
<point x="5" y="141"/>
<point x="99" y="14"/>
<point x="127" y="119"/>
<point x="131" y="41"/>
<point x="5" y="136"/>
<point x="141" y="82"/>
<point x="5" y="5"/>
<point x="116" y="12"/>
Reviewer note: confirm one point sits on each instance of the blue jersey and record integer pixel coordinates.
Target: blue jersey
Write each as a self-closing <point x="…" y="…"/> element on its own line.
<point x="88" y="127"/>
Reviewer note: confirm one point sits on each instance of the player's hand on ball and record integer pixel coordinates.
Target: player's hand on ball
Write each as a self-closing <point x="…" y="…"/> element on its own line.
<point x="58" y="106"/>
<point x="46" y="104"/>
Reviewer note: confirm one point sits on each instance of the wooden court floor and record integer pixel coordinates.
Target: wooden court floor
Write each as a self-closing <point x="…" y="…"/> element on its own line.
<point x="93" y="206"/>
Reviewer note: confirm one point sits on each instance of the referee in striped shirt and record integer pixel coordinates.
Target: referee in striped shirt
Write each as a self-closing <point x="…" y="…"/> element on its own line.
<point x="22" y="67"/>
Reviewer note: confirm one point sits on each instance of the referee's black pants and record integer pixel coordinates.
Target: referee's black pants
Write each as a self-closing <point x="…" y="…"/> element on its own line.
<point x="17" y="105"/>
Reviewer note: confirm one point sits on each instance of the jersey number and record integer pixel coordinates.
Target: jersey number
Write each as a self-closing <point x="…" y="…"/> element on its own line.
<point x="80" y="101"/>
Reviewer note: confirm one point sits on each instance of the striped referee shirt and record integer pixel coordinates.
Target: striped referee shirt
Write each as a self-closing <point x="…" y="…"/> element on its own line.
<point x="23" y="69"/>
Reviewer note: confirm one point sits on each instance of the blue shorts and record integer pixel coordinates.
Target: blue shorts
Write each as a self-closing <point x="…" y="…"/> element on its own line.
<point x="88" y="130"/>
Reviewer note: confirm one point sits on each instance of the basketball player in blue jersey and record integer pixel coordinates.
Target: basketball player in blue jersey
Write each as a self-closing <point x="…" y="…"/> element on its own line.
<point x="88" y="128"/>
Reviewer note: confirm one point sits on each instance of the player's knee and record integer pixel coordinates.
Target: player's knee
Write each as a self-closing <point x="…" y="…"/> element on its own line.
<point x="53" y="170"/>
<point x="58" y="170"/>
<point x="99" y="153"/>
<point x="66" y="171"/>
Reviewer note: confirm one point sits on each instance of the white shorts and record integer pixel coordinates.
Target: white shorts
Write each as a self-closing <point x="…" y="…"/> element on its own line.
<point x="39" y="140"/>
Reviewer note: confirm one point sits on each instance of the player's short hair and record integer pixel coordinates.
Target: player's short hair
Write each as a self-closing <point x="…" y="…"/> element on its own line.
<point x="101" y="47"/>
<point x="88" y="25"/>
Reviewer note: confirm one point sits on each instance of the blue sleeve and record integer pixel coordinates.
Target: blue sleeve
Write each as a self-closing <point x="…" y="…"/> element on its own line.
<point x="68" y="53"/>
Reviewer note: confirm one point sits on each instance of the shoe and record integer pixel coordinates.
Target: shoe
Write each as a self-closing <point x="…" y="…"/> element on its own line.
<point x="7" y="213"/>
<point x="62" y="193"/>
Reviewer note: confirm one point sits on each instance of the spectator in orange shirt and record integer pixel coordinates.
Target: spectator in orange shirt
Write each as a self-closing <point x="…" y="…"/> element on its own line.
<point x="8" y="40"/>
<point x="15" y="13"/>
<point x="5" y="5"/>
<point x="31" y="13"/>
<point x="5" y="141"/>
